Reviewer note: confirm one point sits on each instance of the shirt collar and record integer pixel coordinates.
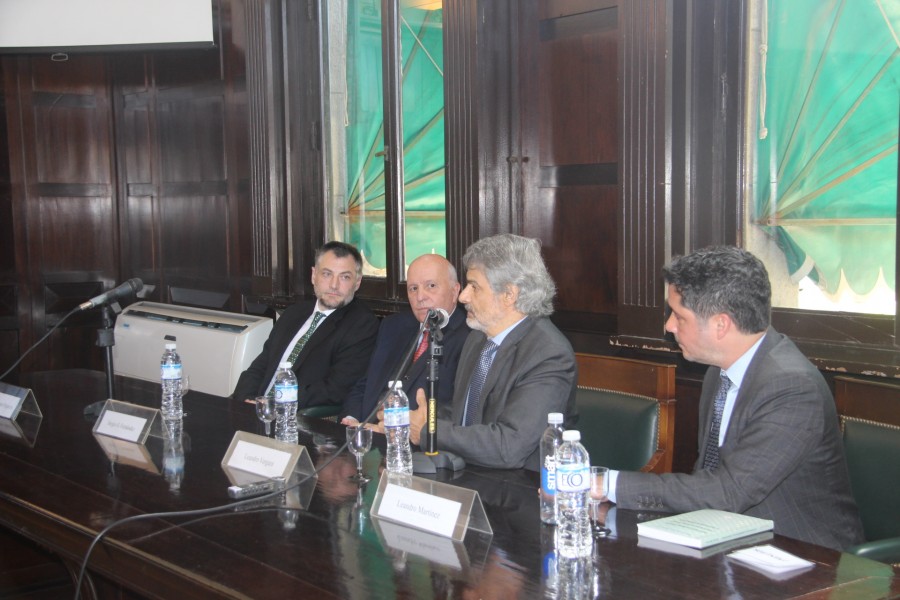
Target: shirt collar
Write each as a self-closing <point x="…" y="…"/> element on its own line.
<point x="738" y="369"/>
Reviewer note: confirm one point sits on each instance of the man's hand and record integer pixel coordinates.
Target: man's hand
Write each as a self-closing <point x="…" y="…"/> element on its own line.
<point x="349" y="421"/>
<point x="418" y="417"/>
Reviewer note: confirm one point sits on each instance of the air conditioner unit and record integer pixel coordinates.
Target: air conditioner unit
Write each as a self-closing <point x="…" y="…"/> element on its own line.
<point x="215" y="346"/>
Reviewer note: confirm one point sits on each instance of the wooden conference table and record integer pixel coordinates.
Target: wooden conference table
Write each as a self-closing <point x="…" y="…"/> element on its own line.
<point x="62" y="487"/>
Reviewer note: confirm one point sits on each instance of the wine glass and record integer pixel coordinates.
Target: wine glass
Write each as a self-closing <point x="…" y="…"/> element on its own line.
<point x="599" y="495"/>
<point x="359" y="440"/>
<point x="265" y="410"/>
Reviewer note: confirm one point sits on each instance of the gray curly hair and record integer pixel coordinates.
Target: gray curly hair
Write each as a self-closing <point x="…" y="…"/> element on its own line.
<point x="512" y="260"/>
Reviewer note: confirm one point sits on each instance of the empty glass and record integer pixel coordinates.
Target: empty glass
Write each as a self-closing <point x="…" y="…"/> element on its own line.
<point x="265" y="410"/>
<point x="599" y="495"/>
<point x="359" y="440"/>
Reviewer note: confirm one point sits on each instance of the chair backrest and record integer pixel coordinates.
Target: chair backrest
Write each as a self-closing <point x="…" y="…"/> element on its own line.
<point x="627" y="412"/>
<point x="873" y="459"/>
<point x="870" y="419"/>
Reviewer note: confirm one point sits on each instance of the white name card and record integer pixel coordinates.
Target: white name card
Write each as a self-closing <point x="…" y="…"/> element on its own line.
<point x="121" y="425"/>
<point x="8" y="405"/>
<point x="418" y="509"/>
<point x="257" y="459"/>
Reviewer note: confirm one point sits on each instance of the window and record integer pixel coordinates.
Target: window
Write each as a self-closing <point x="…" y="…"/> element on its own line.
<point x="359" y="203"/>
<point x="826" y="96"/>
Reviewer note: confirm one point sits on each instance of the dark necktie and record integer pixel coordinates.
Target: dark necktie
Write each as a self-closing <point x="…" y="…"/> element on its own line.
<point x="305" y="337"/>
<point x="711" y="457"/>
<point x="477" y="382"/>
<point x="423" y="346"/>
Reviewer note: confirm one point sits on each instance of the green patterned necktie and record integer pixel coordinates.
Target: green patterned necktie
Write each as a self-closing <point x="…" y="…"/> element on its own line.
<point x="305" y="337"/>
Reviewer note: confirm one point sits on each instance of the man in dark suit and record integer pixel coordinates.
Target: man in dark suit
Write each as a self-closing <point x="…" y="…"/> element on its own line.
<point x="431" y="283"/>
<point x="769" y="439"/>
<point x="328" y="341"/>
<point x="514" y="368"/>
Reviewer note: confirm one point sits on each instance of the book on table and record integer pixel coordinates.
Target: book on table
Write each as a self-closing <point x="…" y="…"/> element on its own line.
<point x="703" y="528"/>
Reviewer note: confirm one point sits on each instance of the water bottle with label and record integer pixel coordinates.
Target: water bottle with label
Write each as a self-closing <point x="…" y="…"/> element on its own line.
<point x="396" y="428"/>
<point x="550" y="441"/>
<point x="170" y="367"/>
<point x="285" y="390"/>
<point x="573" y="473"/>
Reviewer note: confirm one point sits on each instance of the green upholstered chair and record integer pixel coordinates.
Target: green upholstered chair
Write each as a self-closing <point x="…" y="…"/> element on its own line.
<point x="324" y="411"/>
<point x="873" y="458"/>
<point x="626" y="412"/>
<point x="870" y="419"/>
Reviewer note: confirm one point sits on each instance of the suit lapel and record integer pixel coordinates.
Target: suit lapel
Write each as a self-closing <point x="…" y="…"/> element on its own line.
<point x="502" y="359"/>
<point x="323" y="331"/>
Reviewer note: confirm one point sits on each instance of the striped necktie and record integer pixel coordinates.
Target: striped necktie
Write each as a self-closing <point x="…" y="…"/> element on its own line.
<point x="423" y="346"/>
<point x="477" y="382"/>
<point x="317" y="318"/>
<point x="711" y="456"/>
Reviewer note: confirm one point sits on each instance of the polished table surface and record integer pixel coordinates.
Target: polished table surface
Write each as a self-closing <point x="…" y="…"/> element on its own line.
<point x="61" y="488"/>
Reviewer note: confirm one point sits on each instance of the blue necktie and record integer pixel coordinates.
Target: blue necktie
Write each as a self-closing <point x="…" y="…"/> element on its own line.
<point x="711" y="456"/>
<point x="477" y="382"/>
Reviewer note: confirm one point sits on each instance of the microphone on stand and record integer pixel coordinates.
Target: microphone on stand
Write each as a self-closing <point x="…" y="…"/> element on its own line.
<point x="125" y="290"/>
<point x="431" y="460"/>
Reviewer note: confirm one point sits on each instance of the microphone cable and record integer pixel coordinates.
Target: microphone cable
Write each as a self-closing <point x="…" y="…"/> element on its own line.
<point x="38" y="343"/>
<point x="199" y="512"/>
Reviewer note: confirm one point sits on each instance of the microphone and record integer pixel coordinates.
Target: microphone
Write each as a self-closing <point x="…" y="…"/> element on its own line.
<point x="437" y="317"/>
<point x="129" y="288"/>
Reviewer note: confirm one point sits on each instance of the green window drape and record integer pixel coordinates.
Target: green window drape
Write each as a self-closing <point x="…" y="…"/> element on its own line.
<point x="829" y="106"/>
<point x="423" y="132"/>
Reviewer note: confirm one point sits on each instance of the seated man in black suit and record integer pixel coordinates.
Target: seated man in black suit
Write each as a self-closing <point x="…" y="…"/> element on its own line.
<point x="431" y="282"/>
<point x="328" y="340"/>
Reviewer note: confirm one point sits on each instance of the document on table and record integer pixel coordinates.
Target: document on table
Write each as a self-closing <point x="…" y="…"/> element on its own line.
<point x="770" y="559"/>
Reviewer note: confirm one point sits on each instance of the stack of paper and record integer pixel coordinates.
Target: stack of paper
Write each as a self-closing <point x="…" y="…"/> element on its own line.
<point x="771" y="560"/>
<point x="703" y="528"/>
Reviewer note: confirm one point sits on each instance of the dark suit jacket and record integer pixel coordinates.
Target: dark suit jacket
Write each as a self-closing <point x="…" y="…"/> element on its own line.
<point x="332" y="360"/>
<point x="782" y="459"/>
<point x="395" y="336"/>
<point x="533" y="374"/>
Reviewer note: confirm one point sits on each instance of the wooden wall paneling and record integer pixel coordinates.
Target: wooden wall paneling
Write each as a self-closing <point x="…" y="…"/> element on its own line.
<point x="265" y="103"/>
<point x="65" y="202"/>
<point x="569" y="158"/>
<point x="9" y="321"/>
<point x="462" y="98"/>
<point x="643" y="169"/>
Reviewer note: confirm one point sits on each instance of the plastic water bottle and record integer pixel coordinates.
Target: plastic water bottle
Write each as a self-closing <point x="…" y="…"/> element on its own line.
<point x="170" y="373"/>
<point x="550" y="441"/>
<point x="573" y="521"/>
<point x="396" y="427"/>
<point x="285" y="404"/>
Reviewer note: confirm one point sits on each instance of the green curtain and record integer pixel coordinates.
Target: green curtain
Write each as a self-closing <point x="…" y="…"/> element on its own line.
<point x="827" y="157"/>
<point x="423" y="131"/>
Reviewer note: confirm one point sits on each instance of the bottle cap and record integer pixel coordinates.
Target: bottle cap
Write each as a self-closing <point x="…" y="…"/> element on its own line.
<point x="571" y="435"/>
<point x="284" y="365"/>
<point x="392" y="386"/>
<point x="170" y="346"/>
<point x="554" y="418"/>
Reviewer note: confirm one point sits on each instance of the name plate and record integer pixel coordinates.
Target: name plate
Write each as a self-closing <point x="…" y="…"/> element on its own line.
<point x="15" y="400"/>
<point x="127" y="421"/>
<point x="9" y="405"/>
<point x="259" y="460"/>
<point x="120" y="425"/>
<point x="432" y="506"/>
<point x="420" y="510"/>
<point x="252" y="457"/>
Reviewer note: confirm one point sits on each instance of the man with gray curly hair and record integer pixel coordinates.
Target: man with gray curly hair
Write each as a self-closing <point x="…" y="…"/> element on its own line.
<point x="515" y="366"/>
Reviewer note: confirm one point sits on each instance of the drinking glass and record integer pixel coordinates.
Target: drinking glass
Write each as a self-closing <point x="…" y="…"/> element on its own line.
<point x="359" y="440"/>
<point x="265" y="410"/>
<point x="599" y="493"/>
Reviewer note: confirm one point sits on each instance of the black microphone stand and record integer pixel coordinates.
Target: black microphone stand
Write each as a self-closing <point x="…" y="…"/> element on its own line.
<point x="431" y="460"/>
<point x="106" y="339"/>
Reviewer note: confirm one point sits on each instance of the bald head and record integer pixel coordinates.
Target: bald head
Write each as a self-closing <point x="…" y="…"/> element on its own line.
<point x="431" y="282"/>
